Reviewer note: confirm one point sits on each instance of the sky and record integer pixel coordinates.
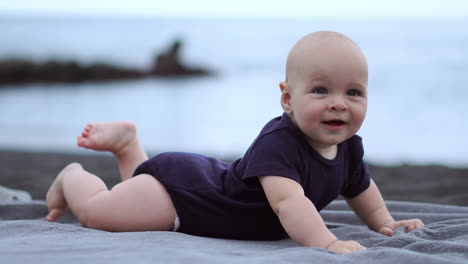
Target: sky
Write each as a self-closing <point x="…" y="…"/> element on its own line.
<point x="256" y="8"/>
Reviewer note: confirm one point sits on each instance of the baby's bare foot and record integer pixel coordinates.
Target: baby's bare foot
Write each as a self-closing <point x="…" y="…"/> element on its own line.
<point x="55" y="198"/>
<point x="107" y="136"/>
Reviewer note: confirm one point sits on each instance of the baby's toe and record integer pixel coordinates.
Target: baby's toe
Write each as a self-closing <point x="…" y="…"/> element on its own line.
<point x="54" y="214"/>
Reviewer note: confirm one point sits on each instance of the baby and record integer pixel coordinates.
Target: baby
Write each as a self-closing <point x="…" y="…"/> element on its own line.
<point x="298" y="164"/>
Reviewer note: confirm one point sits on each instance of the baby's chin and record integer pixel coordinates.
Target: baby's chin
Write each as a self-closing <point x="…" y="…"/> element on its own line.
<point x="324" y="143"/>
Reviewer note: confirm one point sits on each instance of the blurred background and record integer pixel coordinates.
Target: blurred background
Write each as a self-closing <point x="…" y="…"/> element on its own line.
<point x="234" y="52"/>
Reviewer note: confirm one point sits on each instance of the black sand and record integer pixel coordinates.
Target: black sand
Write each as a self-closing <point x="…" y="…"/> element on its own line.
<point x="35" y="171"/>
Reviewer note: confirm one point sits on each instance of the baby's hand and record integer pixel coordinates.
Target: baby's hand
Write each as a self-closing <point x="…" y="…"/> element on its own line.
<point x="342" y="247"/>
<point x="410" y="225"/>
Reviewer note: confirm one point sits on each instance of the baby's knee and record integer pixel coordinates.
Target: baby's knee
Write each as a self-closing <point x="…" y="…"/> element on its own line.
<point x="74" y="165"/>
<point x="71" y="167"/>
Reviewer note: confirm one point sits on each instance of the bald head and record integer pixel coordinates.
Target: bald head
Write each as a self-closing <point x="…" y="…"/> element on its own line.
<point x="316" y="47"/>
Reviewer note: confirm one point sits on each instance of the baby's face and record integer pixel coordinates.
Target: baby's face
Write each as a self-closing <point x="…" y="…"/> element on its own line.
<point x="328" y="91"/>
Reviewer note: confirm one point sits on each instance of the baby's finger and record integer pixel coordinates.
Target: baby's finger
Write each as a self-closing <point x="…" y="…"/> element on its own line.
<point x="386" y="231"/>
<point x="355" y="246"/>
<point x="407" y="224"/>
<point x="53" y="215"/>
<point x="357" y="249"/>
<point x="413" y="224"/>
<point x="410" y="226"/>
<point x="420" y="223"/>
<point x="417" y="224"/>
<point x="342" y="251"/>
<point x="361" y="248"/>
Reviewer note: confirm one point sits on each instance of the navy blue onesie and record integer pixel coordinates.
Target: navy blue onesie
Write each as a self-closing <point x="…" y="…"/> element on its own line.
<point x="217" y="199"/>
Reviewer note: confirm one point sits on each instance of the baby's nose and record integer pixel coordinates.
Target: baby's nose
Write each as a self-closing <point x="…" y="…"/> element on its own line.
<point x="338" y="104"/>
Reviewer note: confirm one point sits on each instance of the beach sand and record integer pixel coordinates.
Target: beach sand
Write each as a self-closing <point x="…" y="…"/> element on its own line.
<point x="35" y="171"/>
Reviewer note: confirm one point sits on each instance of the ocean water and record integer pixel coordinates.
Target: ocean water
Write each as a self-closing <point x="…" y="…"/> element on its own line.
<point x="418" y="86"/>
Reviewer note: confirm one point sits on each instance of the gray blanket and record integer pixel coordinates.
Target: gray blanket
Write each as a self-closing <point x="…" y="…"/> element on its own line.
<point x="25" y="237"/>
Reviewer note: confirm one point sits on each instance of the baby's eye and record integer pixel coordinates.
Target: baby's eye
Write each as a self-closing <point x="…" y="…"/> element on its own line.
<point x="354" y="92"/>
<point x="320" y="90"/>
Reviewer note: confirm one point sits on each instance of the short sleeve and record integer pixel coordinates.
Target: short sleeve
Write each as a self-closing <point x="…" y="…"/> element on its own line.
<point x="358" y="182"/>
<point x="358" y="176"/>
<point x="275" y="154"/>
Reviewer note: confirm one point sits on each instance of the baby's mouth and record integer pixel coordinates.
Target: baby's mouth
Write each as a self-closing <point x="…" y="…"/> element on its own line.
<point x="334" y="122"/>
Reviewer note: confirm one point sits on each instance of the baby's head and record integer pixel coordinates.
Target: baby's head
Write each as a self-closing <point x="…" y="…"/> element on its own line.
<point x="325" y="92"/>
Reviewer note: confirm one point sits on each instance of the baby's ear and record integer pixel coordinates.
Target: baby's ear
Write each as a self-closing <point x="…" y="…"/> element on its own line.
<point x="285" y="97"/>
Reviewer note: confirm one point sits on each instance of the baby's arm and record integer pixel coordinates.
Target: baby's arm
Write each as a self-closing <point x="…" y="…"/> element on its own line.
<point x="370" y="207"/>
<point x="299" y="217"/>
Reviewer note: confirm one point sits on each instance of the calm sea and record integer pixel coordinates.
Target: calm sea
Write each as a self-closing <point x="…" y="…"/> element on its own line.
<point x="418" y="96"/>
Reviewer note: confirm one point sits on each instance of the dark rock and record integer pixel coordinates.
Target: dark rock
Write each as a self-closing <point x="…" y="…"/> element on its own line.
<point x="102" y="72"/>
<point x="16" y="71"/>
<point x="55" y="71"/>
<point x="168" y="63"/>
<point x="20" y="71"/>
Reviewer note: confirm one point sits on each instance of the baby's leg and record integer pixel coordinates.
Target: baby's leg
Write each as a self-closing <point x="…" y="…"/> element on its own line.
<point x="138" y="204"/>
<point x="120" y="138"/>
